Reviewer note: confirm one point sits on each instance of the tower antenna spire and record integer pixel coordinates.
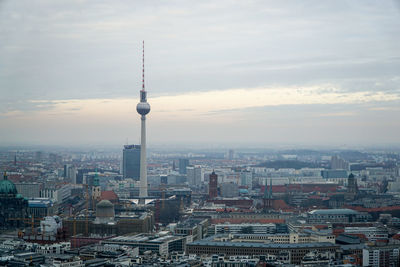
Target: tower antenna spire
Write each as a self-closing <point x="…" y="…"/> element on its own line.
<point x="143" y="69"/>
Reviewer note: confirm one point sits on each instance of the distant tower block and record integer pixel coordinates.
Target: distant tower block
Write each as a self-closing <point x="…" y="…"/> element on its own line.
<point x="213" y="186"/>
<point x="143" y="108"/>
<point x="231" y="154"/>
<point x="131" y="162"/>
<point x="352" y="188"/>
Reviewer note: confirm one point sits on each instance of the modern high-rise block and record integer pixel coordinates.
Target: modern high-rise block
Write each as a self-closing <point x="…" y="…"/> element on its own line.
<point x="338" y="163"/>
<point x="193" y="175"/>
<point x="70" y="173"/>
<point x="131" y="162"/>
<point x="246" y="178"/>
<point x="183" y="163"/>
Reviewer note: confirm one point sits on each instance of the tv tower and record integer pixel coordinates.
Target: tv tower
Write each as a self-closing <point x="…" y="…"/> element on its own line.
<point x="143" y="108"/>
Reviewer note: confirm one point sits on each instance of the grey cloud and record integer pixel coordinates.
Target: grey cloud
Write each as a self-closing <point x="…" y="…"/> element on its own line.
<point x="91" y="49"/>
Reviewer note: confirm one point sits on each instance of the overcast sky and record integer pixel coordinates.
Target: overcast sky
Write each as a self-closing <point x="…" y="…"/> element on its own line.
<point x="220" y="72"/>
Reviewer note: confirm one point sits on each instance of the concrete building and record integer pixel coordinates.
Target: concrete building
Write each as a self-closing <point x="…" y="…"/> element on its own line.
<point x="27" y="259"/>
<point x="246" y="179"/>
<point x="285" y="238"/>
<point x="67" y="261"/>
<point x="338" y="163"/>
<point x="278" y="238"/>
<point x="197" y="228"/>
<point x="161" y="243"/>
<point x="337" y="215"/>
<point x="381" y="256"/>
<point x="229" y="189"/>
<point x="56" y="248"/>
<point x="193" y="175"/>
<point x="71" y="176"/>
<point x="329" y="174"/>
<point x="175" y="178"/>
<point x="29" y="190"/>
<point x="296" y="252"/>
<point x="183" y="164"/>
<point x="41" y="207"/>
<point x="231" y="154"/>
<point x="372" y="233"/>
<point x="131" y="162"/>
<point x="57" y="193"/>
<point x="140" y="222"/>
<point x="248" y="228"/>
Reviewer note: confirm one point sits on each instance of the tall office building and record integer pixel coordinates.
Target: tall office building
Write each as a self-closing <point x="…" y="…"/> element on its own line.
<point x="70" y="173"/>
<point x="183" y="164"/>
<point x="143" y="108"/>
<point x="246" y="178"/>
<point x="338" y="163"/>
<point x="193" y="175"/>
<point x="66" y="166"/>
<point x="231" y="154"/>
<point x="131" y="162"/>
<point x="213" y="186"/>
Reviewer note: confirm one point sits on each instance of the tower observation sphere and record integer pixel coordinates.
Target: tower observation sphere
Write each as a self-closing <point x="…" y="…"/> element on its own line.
<point x="143" y="108"/>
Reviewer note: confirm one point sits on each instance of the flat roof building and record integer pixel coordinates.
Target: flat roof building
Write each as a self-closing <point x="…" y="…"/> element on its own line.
<point x="161" y="244"/>
<point x="337" y="215"/>
<point x="296" y="251"/>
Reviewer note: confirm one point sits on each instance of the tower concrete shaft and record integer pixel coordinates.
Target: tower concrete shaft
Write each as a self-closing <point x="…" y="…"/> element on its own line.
<point x="143" y="160"/>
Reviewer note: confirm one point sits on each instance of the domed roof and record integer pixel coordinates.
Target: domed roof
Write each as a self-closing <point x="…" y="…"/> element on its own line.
<point x="7" y="187"/>
<point x="104" y="204"/>
<point x="105" y="212"/>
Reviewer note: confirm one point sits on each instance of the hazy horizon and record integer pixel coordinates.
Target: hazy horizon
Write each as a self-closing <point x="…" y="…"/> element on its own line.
<point x="226" y="73"/>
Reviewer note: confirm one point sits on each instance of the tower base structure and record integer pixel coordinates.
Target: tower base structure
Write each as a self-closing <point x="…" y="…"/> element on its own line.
<point x="142" y="201"/>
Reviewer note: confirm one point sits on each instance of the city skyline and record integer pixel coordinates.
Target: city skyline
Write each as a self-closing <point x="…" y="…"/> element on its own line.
<point x="227" y="72"/>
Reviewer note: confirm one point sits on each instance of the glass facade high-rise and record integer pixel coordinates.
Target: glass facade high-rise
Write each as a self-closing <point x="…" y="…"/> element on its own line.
<point x="183" y="163"/>
<point x="131" y="162"/>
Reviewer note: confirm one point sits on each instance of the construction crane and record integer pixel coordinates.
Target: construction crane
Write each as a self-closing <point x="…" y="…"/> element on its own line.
<point x="87" y="210"/>
<point x="74" y="231"/>
<point x="30" y="221"/>
<point x="163" y="197"/>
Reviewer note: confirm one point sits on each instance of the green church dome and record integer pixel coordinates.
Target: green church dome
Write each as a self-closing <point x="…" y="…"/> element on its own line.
<point x="7" y="187"/>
